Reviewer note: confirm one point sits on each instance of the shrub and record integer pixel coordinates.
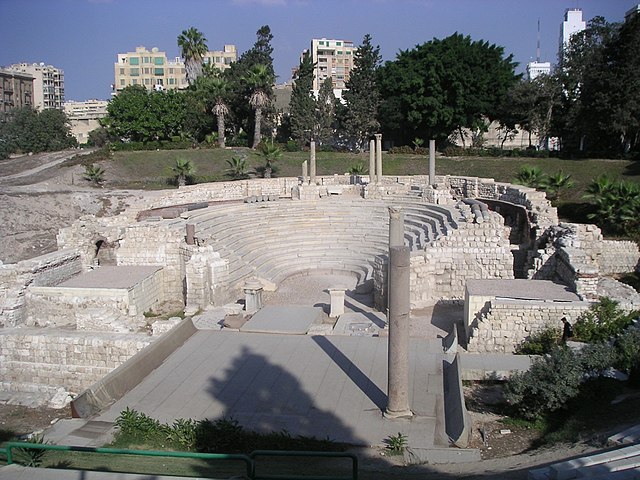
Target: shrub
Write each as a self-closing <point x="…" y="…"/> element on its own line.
<point x="32" y="457"/>
<point x="628" y="351"/>
<point x="539" y="343"/>
<point x="359" y="168"/>
<point x="137" y="424"/>
<point x="292" y="146"/>
<point x="603" y="321"/>
<point x="94" y="174"/>
<point x="550" y="382"/>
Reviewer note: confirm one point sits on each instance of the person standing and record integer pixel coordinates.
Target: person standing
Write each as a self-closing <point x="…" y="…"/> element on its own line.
<point x="567" y="330"/>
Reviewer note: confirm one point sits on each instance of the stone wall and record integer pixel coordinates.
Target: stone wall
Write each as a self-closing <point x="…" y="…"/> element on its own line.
<point x="206" y="278"/>
<point x="503" y="324"/>
<point x="440" y="271"/>
<point x="577" y="255"/>
<point x="41" y="361"/>
<point x="45" y="270"/>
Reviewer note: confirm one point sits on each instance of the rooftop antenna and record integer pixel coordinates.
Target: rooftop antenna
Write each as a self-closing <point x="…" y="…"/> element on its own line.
<point x="538" y="44"/>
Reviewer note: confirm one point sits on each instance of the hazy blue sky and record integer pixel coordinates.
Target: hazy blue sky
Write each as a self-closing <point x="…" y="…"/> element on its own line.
<point x="83" y="37"/>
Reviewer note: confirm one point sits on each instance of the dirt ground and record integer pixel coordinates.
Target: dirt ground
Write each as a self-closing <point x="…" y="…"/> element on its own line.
<point x="39" y="194"/>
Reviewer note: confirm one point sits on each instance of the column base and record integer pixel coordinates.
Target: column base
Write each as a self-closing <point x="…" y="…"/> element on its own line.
<point x="403" y="414"/>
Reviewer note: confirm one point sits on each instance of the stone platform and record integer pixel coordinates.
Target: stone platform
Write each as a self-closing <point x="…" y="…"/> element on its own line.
<point x="318" y="386"/>
<point x="284" y="319"/>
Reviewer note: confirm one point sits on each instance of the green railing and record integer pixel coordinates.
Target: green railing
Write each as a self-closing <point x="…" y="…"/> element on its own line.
<point x="249" y="461"/>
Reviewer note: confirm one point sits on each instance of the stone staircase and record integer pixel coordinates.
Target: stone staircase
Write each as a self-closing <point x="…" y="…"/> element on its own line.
<point x="620" y="464"/>
<point x="274" y="240"/>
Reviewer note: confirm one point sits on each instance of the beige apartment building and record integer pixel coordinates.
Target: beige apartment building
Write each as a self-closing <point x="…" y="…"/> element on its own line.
<point x="48" y="84"/>
<point x="84" y="117"/>
<point x="16" y="91"/>
<point x="334" y="59"/>
<point x="153" y="70"/>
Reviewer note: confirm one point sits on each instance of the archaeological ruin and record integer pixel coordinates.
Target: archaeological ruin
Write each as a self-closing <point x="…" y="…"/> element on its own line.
<point x="71" y="317"/>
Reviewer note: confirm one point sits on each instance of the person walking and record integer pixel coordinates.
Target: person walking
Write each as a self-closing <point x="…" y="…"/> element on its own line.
<point x="567" y="330"/>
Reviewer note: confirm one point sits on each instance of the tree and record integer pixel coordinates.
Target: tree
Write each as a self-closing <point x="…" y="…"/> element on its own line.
<point x="31" y="131"/>
<point x="212" y="92"/>
<point x="243" y="115"/>
<point x="183" y="169"/>
<point x="554" y="184"/>
<point x="442" y="86"/>
<point x="270" y="153"/>
<point x="358" y="118"/>
<point x="137" y="114"/>
<point x="324" y="115"/>
<point x="237" y="167"/>
<point x="302" y="104"/>
<point x="617" y="205"/>
<point x="260" y="81"/>
<point x="193" y="48"/>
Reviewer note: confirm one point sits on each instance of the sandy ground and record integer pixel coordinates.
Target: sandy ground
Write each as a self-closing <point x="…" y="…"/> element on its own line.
<point x="39" y="194"/>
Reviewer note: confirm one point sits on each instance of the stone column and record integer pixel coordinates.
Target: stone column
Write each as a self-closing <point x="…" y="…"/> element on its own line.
<point x="432" y="162"/>
<point x="396" y="227"/>
<point x="378" y="157"/>
<point x="372" y="161"/>
<point x="312" y="153"/>
<point x="305" y="171"/>
<point x="191" y="234"/>
<point x="337" y="301"/>
<point x="399" y="313"/>
<point x="252" y="296"/>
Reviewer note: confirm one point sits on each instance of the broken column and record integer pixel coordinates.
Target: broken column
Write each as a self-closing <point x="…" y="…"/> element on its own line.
<point x="252" y="296"/>
<point x="337" y="301"/>
<point x="378" y="157"/>
<point x="312" y="154"/>
<point x="305" y="171"/>
<point x="399" y="314"/>
<point x="191" y="234"/>
<point x="396" y="227"/>
<point x="432" y="162"/>
<point x="372" y="161"/>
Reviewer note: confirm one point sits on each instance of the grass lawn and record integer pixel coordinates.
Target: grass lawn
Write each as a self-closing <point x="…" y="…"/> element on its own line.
<point x="152" y="169"/>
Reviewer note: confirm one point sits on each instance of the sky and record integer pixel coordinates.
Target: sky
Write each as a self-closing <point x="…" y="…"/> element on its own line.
<point x="83" y="37"/>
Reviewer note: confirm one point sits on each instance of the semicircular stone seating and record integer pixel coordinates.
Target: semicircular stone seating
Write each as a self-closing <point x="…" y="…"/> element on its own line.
<point x="275" y="240"/>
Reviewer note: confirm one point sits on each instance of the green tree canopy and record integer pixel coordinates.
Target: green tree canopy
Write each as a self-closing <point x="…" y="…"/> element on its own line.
<point x="140" y="115"/>
<point x="302" y="104"/>
<point x="443" y="85"/>
<point x="358" y="117"/>
<point x="31" y="131"/>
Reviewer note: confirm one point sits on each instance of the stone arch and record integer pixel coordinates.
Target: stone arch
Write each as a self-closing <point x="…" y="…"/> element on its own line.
<point x="105" y="251"/>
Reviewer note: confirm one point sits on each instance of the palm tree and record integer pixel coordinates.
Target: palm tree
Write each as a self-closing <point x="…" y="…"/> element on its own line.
<point x="183" y="169"/>
<point x="219" y="87"/>
<point x="193" y="48"/>
<point x="237" y="167"/>
<point x="530" y="176"/>
<point x="94" y="174"/>
<point x="553" y="184"/>
<point x="270" y="153"/>
<point x="260" y="81"/>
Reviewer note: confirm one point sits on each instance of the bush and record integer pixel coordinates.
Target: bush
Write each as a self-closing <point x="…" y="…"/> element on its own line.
<point x="408" y="150"/>
<point x="547" y="386"/>
<point x="628" y="351"/>
<point x="456" y="151"/>
<point x="292" y="146"/>
<point x="539" y="343"/>
<point x="603" y="321"/>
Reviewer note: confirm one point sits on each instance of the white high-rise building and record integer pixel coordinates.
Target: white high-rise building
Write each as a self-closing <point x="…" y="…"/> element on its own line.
<point x="333" y="59"/>
<point x="48" y="84"/>
<point x="535" y="69"/>
<point x="573" y="23"/>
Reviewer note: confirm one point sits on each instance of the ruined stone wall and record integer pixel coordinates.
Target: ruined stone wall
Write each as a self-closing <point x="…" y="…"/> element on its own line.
<point x="206" y="277"/>
<point x="440" y="271"/>
<point x="472" y="251"/>
<point x="506" y="323"/>
<point x="40" y="361"/>
<point x="45" y="270"/>
<point x="158" y="243"/>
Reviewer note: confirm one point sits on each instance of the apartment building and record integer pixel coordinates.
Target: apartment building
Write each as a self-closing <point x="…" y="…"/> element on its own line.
<point x="16" y="91"/>
<point x="153" y="70"/>
<point x="334" y="59"/>
<point x="48" y="84"/>
<point x="572" y="24"/>
<point x="85" y="117"/>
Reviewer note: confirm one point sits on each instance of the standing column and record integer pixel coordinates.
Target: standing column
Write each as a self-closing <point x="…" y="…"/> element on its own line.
<point x="372" y="161"/>
<point x="191" y="234"/>
<point x="312" y="149"/>
<point x="396" y="227"/>
<point x="378" y="157"/>
<point x="432" y="162"/>
<point x="253" y="296"/>
<point x="305" y="171"/>
<point x="399" y="313"/>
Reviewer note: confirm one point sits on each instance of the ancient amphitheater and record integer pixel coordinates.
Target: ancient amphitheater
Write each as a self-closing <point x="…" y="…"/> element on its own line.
<point x="74" y="316"/>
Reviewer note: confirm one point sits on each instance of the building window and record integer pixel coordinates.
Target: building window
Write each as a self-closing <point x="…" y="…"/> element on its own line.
<point x="122" y="71"/>
<point x="338" y="44"/>
<point x="145" y="60"/>
<point x="122" y="82"/>
<point x="172" y="81"/>
<point x="339" y="52"/>
<point x="146" y="81"/>
<point x="134" y="61"/>
<point x="134" y="72"/>
<point x="158" y="61"/>
<point x="158" y="71"/>
<point x="320" y="42"/>
<point x="171" y="71"/>
<point x="146" y="71"/>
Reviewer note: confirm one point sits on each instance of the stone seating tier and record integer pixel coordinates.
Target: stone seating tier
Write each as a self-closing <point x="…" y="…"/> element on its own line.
<point x="275" y="240"/>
